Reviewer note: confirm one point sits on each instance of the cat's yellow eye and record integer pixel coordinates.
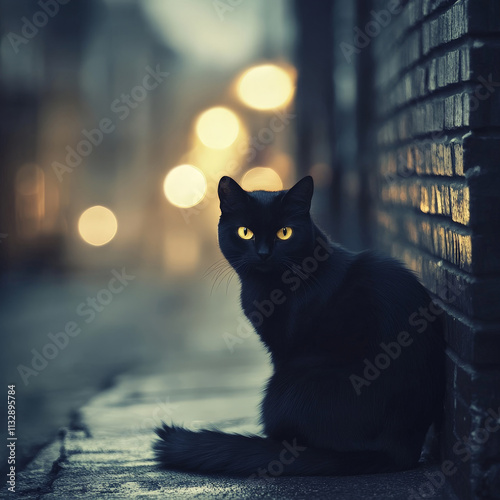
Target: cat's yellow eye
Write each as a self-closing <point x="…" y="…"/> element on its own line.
<point x="245" y="233"/>
<point x="284" y="233"/>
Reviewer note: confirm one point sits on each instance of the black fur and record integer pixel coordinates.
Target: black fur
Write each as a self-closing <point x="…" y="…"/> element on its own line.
<point x="323" y="313"/>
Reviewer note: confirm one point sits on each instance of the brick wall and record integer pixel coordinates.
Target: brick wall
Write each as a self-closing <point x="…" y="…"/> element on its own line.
<point x="435" y="188"/>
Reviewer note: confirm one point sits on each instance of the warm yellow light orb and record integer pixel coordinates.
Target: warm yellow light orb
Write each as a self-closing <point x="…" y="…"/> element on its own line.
<point x="97" y="225"/>
<point x="261" y="178"/>
<point x="217" y="127"/>
<point x="265" y="87"/>
<point x="185" y="186"/>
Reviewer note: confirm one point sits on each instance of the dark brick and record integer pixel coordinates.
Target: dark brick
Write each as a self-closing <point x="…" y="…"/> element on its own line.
<point x="453" y="67"/>
<point x="449" y="111"/>
<point x="434" y="33"/>
<point x="460" y="204"/>
<point x="458" y="161"/>
<point x="458" y="20"/>
<point x="459" y="110"/>
<point x="465" y="69"/>
<point x="426" y="38"/>
<point x="442" y="71"/>
<point x="433" y="75"/>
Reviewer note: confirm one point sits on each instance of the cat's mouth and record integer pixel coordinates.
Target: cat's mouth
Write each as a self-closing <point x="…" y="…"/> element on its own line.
<point x="263" y="266"/>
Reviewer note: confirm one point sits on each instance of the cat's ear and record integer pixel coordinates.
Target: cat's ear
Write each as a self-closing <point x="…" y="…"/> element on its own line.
<point x="232" y="197"/>
<point x="300" y="195"/>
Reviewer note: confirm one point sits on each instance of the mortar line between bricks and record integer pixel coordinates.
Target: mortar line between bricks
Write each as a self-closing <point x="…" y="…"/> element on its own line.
<point x="442" y="93"/>
<point x="424" y="139"/>
<point x="447" y="266"/>
<point x="471" y="322"/>
<point x="469" y="366"/>
<point x="446" y="222"/>
<point x="455" y="133"/>
<point x="427" y="179"/>
<point x="490" y="132"/>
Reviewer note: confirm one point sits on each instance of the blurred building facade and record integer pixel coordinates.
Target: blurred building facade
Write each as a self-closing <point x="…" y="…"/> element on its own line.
<point x="424" y="183"/>
<point x="100" y="102"/>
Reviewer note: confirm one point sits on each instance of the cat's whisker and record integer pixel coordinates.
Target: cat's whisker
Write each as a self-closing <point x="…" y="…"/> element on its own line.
<point x="224" y="276"/>
<point x="217" y="279"/>
<point x="223" y="271"/>
<point x="215" y="267"/>
<point x="230" y="279"/>
<point x="218" y="273"/>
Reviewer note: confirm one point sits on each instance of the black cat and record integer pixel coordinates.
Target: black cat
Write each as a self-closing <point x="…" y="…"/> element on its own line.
<point x="358" y="359"/>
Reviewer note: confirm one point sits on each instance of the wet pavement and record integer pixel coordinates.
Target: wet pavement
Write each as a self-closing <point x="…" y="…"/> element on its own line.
<point x="164" y="352"/>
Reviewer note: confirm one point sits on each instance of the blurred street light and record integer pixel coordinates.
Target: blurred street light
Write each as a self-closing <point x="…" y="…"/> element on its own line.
<point x="261" y="178"/>
<point x="265" y="87"/>
<point x="185" y="186"/>
<point x="97" y="225"/>
<point x="217" y="127"/>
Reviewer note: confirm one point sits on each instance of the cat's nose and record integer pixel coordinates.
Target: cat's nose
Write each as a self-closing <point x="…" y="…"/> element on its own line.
<point x="263" y="250"/>
<point x="264" y="255"/>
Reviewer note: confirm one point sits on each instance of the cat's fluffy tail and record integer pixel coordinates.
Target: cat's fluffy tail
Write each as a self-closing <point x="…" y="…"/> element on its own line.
<point x="208" y="451"/>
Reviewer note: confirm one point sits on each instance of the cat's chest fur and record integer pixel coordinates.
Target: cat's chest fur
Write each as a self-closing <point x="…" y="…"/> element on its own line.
<point x="307" y="323"/>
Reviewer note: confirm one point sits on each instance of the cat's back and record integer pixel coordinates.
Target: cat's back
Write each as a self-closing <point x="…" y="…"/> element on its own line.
<point x="382" y="277"/>
<point x="380" y="292"/>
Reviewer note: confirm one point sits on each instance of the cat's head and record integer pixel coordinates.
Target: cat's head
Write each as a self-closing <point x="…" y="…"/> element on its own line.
<point x="263" y="231"/>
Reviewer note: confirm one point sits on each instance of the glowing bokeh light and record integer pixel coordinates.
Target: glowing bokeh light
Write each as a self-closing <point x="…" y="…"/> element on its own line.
<point x="217" y="127"/>
<point x="185" y="186"/>
<point x="265" y="87"/>
<point x="261" y="178"/>
<point x="97" y="225"/>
